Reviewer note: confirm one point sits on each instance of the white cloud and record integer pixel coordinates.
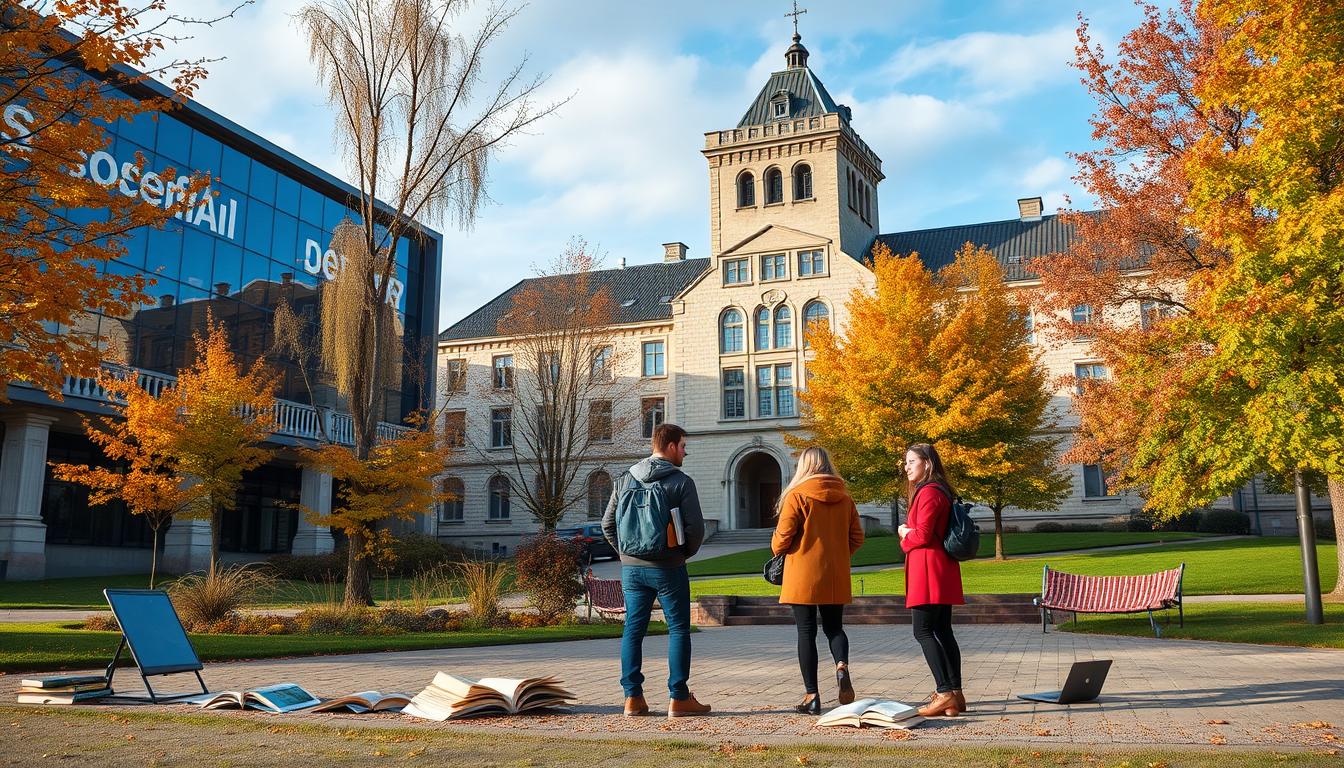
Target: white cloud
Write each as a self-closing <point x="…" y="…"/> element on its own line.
<point x="899" y="126"/>
<point x="996" y="65"/>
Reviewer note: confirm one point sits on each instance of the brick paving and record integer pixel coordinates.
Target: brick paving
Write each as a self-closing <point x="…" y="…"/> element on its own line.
<point x="1159" y="692"/>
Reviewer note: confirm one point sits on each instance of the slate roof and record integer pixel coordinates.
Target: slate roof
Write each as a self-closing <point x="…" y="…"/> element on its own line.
<point x="807" y="98"/>
<point x="646" y="284"/>
<point x="1013" y="242"/>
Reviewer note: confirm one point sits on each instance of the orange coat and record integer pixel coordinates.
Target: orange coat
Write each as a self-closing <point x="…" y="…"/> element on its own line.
<point x="819" y="529"/>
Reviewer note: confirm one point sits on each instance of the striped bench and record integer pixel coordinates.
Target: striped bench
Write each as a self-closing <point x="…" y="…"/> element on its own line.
<point x="604" y="595"/>
<point x="1076" y="593"/>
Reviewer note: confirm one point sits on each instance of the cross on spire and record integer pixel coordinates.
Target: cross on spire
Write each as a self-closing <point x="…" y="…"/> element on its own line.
<point x="796" y="13"/>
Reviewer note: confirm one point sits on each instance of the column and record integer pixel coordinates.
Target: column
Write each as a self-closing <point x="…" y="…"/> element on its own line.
<point x="23" y="472"/>
<point x="186" y="547"/>
<point x="314" y="494"/>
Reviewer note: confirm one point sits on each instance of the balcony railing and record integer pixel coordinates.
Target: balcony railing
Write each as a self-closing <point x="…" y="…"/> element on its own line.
<point x="292" y="419"/>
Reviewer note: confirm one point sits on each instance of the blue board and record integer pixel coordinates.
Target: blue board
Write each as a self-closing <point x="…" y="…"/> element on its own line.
<point x="152" y="630"/>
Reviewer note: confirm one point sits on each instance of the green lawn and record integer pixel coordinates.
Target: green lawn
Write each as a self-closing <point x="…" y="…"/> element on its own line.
<point x="885" y="550"/>
<point x="56" y="645"/>
<point x="1248" y="566"/>
<point x="1269" y="623"/>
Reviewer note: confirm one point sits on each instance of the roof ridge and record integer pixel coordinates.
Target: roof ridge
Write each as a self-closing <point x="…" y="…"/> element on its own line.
<point x="968" y="226"/>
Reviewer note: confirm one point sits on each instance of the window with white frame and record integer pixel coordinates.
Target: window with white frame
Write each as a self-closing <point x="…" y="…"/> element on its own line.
<point x="653" y="411"/>
<point x="1084" y="372"/>
<point x="774" y="266"/>
<point x="774" y="390"/>
<point x="455" y="376"/>
<point x="1083" y="316"/>
<point x="549" y="369"/>
<point x="502" y="366"/>
<point x="1094" y="482"/>
<point x="1152" y="312"/>
<point x="500" y="498"/>
<point x="730" y="331"/>
<point x="450" y="509"/>
<point x="655" y="359"/>
<point x="501" y="427"/>
<point x="783" y="327"/>
<point x="814" y="313"/>
<point x="762" y="328"/>
<point x="736" y="271"/>
<point x="811" y="263"/>
<point x="601" y="370"/>
<point x="1029" y="319"/>
<point x="455" y="428"/>
<point x="599" y="494"/>
<point x="734" y="394"/>
<point x="599" y="421"/>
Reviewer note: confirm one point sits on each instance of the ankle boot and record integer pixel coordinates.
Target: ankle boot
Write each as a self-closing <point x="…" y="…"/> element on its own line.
<point x="635" y="706"/>
<point x="943" y="705"/>
<point x="811" y="705"/>
<point x="687" y="707"/>
<point x="961" y="701"/>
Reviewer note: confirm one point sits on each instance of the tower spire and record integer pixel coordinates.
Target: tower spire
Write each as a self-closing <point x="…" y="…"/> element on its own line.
<point x="796" y="56"/>
<point x="796" y="13"/>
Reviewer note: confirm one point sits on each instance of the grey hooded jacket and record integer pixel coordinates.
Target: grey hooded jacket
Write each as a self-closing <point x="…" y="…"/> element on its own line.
<point x="679" y="491"/>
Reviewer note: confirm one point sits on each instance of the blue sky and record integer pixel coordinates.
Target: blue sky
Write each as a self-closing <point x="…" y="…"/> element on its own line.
<point x="970" y="105"/>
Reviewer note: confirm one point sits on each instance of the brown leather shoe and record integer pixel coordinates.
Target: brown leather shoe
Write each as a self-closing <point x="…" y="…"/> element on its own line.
<point x="687" y="707"/>
<point x="961" y="701"/>
<point x="635" y="706"/>
<point x="943" y="705"/>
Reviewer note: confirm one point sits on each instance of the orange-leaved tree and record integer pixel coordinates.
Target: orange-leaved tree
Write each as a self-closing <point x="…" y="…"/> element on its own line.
<point x="59" y="223"/>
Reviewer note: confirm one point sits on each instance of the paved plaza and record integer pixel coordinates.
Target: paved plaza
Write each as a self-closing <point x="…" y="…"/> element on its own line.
<point x="1159" y="692"/>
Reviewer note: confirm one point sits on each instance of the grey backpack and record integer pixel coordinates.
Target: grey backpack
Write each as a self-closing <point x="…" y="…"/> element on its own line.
<point x="643" y="517"/>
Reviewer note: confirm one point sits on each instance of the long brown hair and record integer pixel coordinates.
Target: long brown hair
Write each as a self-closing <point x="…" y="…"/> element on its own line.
<point x="936" y="472"/>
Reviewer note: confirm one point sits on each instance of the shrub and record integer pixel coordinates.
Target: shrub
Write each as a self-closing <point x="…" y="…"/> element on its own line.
<point x="546" y="574"/>
<point x="416" y="552"/>
<point x="336" y="619"/>
<point x="1186" y="522"/>
<point x="329" y="567"/>
<point x="1049" y="526"/>
<point x="102" y="622"/>
<point x="880" y="532"/>
<point x="1224" y="521"/>
<point x="1325" y="527"/>
<point x="203" y="600"/>
<point x="482" y="581"/>
<point x="430" y="587"/>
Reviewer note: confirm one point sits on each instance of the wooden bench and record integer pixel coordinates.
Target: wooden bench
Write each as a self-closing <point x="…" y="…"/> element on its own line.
<point x="604" y="595"/>
<point x="1077" y="593"/>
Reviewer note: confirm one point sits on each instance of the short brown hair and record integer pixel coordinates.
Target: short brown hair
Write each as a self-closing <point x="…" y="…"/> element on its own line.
<point x="667" y="435"/>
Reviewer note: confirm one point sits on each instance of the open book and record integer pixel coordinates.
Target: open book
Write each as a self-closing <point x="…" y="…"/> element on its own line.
<point x="451" y="697"/>
<point x="874" y="712"/>
<point x="283" y="697"/>
<point x="366" y="701"/>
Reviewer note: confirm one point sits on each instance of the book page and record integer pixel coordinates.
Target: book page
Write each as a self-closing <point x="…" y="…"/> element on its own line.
<point x="283" y="697"/>
<point x="846" y="714"/>
<point x="510" y="688"/>
<point x="892" y="710"/>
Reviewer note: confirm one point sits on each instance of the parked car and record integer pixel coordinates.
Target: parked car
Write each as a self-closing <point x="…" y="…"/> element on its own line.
<point x="593" y="545"/>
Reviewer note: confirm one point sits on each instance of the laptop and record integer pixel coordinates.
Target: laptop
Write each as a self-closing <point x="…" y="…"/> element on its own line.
<point x="1083" y="684"/>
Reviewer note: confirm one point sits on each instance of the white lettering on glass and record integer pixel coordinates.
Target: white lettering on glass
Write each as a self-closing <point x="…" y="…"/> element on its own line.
<point x="328" y="264"/>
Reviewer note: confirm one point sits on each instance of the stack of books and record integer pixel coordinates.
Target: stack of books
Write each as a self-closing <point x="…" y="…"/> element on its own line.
<point x="450" y="697"/>
<point x="63" y="689"/>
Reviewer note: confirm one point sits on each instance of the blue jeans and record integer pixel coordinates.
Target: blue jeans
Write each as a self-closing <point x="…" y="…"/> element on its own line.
<point x="672" y="587"/>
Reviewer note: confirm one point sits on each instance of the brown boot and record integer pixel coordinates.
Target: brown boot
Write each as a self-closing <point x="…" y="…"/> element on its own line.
<point x="635" y="706"/>
<point x="687" y="707"/>
<point x="943" y="705"/>
<point x="961" y="701"/>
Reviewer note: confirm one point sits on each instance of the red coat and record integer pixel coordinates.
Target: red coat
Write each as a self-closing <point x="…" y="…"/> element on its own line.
<point x="931" y="576"/>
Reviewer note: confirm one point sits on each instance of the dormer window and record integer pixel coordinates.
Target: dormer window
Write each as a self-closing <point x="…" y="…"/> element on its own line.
<point x="781" y="109"/>
<point x="779" y="105"/>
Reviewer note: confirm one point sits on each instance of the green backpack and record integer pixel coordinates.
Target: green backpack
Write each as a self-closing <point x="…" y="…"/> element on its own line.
<point x="642" y="520"/>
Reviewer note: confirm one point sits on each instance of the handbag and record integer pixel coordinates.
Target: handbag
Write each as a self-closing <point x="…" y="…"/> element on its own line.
<point x="774" y="569"/>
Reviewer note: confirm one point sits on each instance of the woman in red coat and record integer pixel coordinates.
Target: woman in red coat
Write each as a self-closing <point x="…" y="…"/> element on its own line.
<point x="932" y="577"/>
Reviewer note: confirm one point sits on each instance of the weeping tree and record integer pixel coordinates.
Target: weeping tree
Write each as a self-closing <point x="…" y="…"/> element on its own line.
<point x="417" y="123"/>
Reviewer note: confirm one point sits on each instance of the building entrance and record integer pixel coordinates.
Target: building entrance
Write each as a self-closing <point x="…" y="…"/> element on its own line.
<point x="759" y="481"/>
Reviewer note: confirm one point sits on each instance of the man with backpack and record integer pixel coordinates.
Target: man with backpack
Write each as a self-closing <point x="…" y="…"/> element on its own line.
<point x="654" y="522"/>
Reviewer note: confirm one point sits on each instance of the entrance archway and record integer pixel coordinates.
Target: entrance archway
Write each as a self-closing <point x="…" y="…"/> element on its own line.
<point x="758" y="483"/>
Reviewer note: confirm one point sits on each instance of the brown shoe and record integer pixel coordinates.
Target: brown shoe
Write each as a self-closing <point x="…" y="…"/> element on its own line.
<point x="635" y="706"/>
<point x="961" y="701"/>
<point x="943" y="705"/>
<point x="687" y="707"/>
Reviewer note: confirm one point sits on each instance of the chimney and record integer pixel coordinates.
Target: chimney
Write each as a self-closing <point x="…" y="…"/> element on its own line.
<point x="222" y="289"/>
<point x="674" y="251"/>
<point x="1029" y="208"/>
<point x="621" y="264"/>
<point x="166" y="300"/>
<point x="286" y="278"/>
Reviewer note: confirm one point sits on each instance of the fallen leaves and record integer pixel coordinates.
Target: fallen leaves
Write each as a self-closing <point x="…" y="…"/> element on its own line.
<point x="1218" y="739"/>
<point x="1314" y="724"/>
<point x="1216" y="722"/>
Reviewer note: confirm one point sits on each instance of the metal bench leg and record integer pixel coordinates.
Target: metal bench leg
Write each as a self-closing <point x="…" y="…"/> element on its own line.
<point x="1043" y="619"/>
<point x="1180" y="606"/>
<point x="1157" y="631"/>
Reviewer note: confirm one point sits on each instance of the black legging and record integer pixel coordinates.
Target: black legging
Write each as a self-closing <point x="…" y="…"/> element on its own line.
<point x="832" y="623"/>
<point x="933" y="630"/>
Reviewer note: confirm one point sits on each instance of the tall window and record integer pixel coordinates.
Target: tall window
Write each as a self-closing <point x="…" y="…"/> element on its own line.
<point x="1084" y="372"/>
<point x="765" y="391"/>
<point x="774" y="186"/>
<point x="1083" y="316"/>
<point x="811" y="263"/>
<point x="734" y="394"/>
<point x="455" y="428"/>
<point x="1030" y="319"/>
<point x="501" y="427"/>
<point x="550" y="369"/>
<point x="784" y="390"/>
<point x="783" y="327"/>
<point x="850" y="193"/>
<point x="655" y="359"/>
<point x="730" y="331"/>
<point x="802" y="182"/>
<point x="450" y="509"/>
<point x="599" y="493"/>
<point x="1094" y="482"/>
<point x="455" y="376"/>
<point x="867" y="203"/>
<point x="746" y="190"/>
<point x="1151" y="312"/>
<point x="599" y="421"/>
<point x="652" y="411"/>
<point x="499" y="498"/>
<point x="602" y="364"/>
<point x="503" y="372"/>
<point x="737" y="271"/>
<point x="774" y="266"/>
<point x="774" y="390"/>
<point x="762" y="328"/>
<point x="814" y="312"/>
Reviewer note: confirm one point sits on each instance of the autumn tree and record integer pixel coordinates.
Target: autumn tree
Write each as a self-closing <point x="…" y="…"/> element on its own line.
<point x="940" y="359"/>
<point x="141" y="440"/>
<point x="62" y="81"/>
<point x="568" y="400"/>
<point x="418" y="128"/>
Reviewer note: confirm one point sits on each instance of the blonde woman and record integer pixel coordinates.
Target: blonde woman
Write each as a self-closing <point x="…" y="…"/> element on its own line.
<point x="819" y="530"/>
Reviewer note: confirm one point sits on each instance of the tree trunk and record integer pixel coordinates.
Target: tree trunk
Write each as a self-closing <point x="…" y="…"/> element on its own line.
<point x="998" y="534"/>
<point x="358" y="591"/>
<point x="154" y="558"/>
<point x="1336" y="488"/>
<point x="216" y="522"/>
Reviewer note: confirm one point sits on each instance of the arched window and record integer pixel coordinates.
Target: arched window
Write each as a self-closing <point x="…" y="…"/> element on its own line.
<point x="802" y="182"/>
<point x="450" y="509"/>
<point x="746" y="190"/>
<point x="762" y="328"/>
<point x="814" y="312"/>
<point x="774" y="186"/>
<point x="730" y="331"/>
<point x="499" y="498"/>
<point x="783" y="327"/>
<point x="599" y="493"/>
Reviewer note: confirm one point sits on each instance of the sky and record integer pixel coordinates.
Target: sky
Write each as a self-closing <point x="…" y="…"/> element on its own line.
<point x="971" y="104"/>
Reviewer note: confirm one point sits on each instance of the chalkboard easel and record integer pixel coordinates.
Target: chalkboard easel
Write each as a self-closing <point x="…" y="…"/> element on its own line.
<point x="152" y="631"/>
